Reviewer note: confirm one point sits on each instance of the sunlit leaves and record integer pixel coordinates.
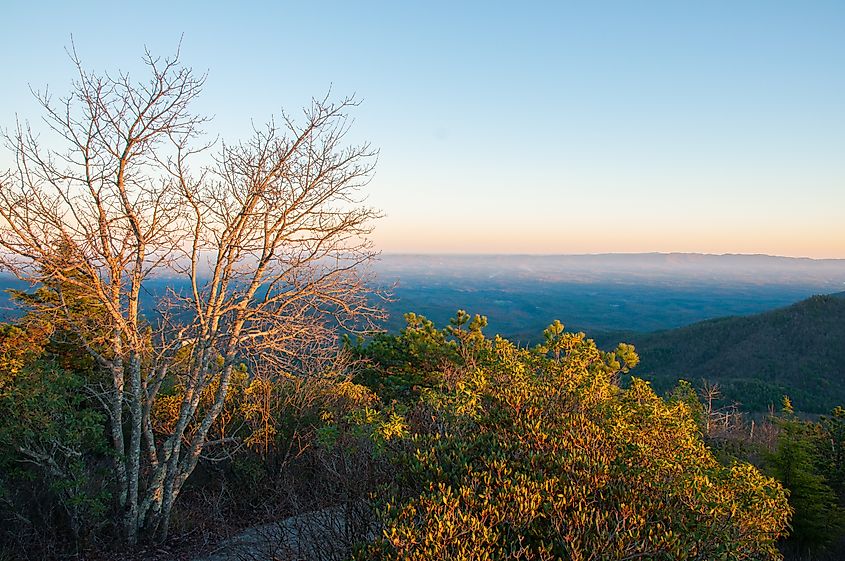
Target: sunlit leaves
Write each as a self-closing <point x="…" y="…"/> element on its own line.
<point x="537" y="454"/>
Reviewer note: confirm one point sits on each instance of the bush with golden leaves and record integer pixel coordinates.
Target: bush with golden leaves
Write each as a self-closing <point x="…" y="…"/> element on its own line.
<point x="538" y="454"/>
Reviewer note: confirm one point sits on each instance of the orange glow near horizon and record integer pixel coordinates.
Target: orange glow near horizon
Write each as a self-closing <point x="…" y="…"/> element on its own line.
<point x="399" y="239"/>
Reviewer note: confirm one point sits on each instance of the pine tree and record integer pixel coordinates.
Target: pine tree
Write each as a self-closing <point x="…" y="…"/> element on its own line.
<point x="795" y="463"/>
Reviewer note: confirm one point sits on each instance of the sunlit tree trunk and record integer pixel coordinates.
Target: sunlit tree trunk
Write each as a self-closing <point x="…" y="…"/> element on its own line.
<point x="273" y="240"/>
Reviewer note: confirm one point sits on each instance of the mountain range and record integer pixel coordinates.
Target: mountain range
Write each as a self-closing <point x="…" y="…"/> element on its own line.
<point x="730" y="319"/>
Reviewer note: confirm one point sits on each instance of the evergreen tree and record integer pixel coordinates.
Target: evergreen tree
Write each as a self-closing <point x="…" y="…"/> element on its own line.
<point x="795" y="463"/>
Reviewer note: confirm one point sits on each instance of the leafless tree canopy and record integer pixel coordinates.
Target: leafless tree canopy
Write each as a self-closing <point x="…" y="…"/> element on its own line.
<point x="271" y="241"/>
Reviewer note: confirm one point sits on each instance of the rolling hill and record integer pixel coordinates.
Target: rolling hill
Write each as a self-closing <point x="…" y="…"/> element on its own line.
<point x="798" y="351"/>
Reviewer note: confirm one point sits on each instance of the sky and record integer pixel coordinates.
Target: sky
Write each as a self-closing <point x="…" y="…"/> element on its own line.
<point x="516" y="127"/>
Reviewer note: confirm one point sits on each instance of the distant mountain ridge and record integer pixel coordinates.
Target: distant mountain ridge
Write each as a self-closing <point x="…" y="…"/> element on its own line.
<point x="600" y="294"/>
<point x="798" y="350"/>
<point x="690" y="268"/>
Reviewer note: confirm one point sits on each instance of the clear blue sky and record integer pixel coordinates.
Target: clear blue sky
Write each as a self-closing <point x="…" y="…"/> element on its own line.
<point x="519" y="127"/>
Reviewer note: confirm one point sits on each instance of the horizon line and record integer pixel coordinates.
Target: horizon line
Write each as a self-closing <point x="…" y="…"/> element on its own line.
<point x="598" y="254"/>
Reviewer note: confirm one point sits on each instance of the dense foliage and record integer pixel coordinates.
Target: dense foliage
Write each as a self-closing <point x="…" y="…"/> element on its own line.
<point x="53" y="462"/>
<point x="757" y="359"/>
<point x="536" y="454"/>
<point x="443" y="444"/>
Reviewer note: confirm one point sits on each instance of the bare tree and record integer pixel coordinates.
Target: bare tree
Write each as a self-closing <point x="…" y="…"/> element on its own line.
<point x="721" y="422"/>
<point x="270" y="241"/>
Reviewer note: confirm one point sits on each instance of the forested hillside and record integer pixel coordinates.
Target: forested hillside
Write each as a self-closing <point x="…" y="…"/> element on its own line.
<point x="798" y="351"/>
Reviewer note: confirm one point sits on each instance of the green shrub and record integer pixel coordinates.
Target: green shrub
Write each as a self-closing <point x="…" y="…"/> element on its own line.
<point x="53" y="454"/>
<point x="531" y="456"/>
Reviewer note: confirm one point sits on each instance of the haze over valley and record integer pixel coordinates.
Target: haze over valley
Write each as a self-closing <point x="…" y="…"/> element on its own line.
<point x="600" y="294"/>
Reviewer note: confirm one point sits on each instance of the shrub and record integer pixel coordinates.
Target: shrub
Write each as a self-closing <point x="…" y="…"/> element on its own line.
<point x="532" y="456"/>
